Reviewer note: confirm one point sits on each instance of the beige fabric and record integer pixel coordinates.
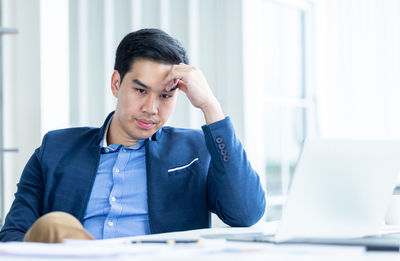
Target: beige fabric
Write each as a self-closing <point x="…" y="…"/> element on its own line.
<point x="54" y="227"/>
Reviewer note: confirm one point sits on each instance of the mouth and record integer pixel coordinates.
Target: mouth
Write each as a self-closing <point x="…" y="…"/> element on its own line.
<point x="145" y="124"/>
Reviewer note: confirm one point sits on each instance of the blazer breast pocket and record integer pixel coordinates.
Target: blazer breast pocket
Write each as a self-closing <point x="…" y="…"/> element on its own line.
<point x="183" y="169"/>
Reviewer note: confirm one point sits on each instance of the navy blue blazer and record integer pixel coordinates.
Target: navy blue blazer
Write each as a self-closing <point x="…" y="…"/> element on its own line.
<point x="60" y="174"/>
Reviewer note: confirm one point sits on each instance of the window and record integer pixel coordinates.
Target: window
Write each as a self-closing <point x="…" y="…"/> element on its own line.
<point x="284" y="90"/>
<point x="3" y="31"/>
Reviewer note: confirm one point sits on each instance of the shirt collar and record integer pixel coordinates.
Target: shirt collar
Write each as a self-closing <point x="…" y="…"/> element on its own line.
<point x="103" y="142"/>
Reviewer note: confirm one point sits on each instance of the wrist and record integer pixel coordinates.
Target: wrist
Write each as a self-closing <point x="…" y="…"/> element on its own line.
<point x="212" y="112"/>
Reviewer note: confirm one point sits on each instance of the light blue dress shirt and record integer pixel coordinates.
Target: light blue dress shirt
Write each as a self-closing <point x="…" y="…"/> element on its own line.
<point x="118" y="203"/>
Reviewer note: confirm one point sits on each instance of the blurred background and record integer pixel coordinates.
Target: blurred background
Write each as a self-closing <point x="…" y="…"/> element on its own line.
<point x="283" y="70"/>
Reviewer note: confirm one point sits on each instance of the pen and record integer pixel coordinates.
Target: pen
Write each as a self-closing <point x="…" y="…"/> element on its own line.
<point x="167" y="241"/>
<point x="393" y="248"/>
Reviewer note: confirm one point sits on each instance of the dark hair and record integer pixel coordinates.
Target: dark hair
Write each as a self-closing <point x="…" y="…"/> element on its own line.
<point x="152" y="44"/>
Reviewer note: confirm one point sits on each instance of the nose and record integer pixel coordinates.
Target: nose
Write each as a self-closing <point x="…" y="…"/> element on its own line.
<point x="150" y="105"/>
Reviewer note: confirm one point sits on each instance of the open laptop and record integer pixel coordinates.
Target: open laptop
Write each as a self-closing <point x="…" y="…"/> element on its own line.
<point x="339" y="194"/>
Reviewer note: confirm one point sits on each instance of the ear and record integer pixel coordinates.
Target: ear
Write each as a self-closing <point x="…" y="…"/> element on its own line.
<point x="115" y="83"/>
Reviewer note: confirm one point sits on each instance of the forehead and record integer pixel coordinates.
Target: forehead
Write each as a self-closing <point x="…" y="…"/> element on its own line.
<point x="148" y="74"/>
<point x="146" y="68"/>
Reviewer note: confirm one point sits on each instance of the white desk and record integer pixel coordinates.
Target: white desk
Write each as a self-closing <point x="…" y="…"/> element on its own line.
<point x="208" y="249"/>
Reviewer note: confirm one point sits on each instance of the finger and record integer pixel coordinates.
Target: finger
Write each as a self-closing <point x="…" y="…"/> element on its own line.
<point x="182" y="85"/>
<point x="177" y="71"/>
<point x="172" y="84"/>
<point x="169" y="85"/>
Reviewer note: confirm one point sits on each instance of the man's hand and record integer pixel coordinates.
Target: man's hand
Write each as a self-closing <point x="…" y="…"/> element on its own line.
<point x="192" y="82"/>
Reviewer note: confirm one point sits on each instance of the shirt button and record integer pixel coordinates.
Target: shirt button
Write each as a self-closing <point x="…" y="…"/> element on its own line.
<point x="113" y="199"/>
<point x="218" y="140"/>
<point x="117" y="170"/>
<point x="110" y="223"/>
<point x="107" y="150"/>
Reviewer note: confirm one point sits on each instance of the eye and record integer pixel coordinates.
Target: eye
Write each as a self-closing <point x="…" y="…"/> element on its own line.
<point x="165" y="96"/>
<point x="142" y="91"/>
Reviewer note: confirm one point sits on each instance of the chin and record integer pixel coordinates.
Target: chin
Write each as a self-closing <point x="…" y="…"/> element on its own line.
<point x="143" y="134"/>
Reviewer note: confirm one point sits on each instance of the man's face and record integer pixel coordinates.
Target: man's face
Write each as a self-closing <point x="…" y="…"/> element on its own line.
<point x="143" y="104"/>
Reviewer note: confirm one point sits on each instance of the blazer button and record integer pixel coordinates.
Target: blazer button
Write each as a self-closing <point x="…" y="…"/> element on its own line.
<point x="218" y="140"/>
<point x="221" y="146"/>
<point x="223" y="152"/>
<point x="226" y="158"/>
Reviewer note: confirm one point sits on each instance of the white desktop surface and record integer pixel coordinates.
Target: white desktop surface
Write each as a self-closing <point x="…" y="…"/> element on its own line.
<point x="208" y="249"/>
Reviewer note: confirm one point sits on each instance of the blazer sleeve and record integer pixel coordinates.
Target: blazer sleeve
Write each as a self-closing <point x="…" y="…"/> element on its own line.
<point x="234" y="190"/>
<point x="28" y="202"/>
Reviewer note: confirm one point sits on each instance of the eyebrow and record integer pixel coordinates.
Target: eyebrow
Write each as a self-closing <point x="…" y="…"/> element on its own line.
<point x="174" y="88"/>
<point x="138" y="82"/>
<point x="141" y="84"/>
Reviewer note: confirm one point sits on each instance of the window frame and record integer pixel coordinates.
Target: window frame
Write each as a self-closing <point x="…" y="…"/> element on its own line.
<point x="252" y="76"/>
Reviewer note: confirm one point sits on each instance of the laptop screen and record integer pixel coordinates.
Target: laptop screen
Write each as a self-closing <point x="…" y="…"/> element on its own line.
<point x="340" y="188"/>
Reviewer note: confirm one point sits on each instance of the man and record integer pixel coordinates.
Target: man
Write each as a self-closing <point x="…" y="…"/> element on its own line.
<point x="133" y="176"/>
